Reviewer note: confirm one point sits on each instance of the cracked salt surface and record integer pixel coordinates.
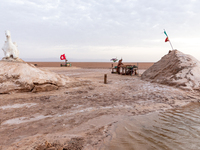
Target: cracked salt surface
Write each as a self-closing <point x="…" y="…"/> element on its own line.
<point x="157" y="88"/>
<point x="94" y="109"/>
<point x="18" y="105"/>
<point x="24" y="120"/>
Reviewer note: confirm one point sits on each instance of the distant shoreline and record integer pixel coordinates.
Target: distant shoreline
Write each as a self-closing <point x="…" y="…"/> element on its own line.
<point x="100" y="65"/>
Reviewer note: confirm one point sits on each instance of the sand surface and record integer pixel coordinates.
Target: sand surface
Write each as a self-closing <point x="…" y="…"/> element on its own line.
<point x="141" y="65"/>
<point x="81" y="115"/>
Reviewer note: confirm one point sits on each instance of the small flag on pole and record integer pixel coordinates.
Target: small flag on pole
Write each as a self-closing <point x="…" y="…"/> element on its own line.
<point x="167" y="39"/>
<point x="62" y="57"/>
<point x="165" y="33"/>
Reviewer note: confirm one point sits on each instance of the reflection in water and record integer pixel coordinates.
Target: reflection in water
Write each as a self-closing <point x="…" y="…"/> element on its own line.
<point x="177" y="129"/>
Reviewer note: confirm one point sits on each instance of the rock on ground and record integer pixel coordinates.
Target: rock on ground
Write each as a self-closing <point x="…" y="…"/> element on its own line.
<point x="175" y="69"/>
<point x="16" y="76"/>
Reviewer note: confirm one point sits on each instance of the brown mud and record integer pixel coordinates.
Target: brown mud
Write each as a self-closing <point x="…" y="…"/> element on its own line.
<point x="80" y="115"/>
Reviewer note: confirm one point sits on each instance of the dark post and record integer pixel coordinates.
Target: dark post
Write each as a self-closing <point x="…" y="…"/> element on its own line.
<point x="105" y="78"/>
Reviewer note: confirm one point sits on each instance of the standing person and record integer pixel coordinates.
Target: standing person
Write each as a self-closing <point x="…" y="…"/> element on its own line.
<point x="118" y="66"/>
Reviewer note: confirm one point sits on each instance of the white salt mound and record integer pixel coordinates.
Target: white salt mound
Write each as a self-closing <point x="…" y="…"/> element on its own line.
<point x="175" y="69"/>
<point x="22" y="77"/>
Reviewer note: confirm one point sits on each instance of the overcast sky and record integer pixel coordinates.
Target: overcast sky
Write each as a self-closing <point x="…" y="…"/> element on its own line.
<point x="98" y="30"/>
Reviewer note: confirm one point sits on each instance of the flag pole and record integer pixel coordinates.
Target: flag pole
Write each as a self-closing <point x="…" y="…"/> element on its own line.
<point x="171" y="44"/>
<point x="169" y="40"/>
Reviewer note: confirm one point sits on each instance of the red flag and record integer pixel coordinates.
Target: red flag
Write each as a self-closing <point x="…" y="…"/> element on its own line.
<point x="167" y="39"/>
<point x="62" y="57"/>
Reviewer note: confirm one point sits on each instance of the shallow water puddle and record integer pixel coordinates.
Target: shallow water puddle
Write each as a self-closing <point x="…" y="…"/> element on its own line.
<point x="173" y="129"/>
<point x="18" y="105"/>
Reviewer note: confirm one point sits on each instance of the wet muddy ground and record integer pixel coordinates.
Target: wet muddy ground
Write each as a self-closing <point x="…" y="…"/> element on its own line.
<point x="81" y="115"/>
<point x="177" y="128"/>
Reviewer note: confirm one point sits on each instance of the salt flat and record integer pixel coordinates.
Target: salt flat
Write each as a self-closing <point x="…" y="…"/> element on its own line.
<point x="84" y="111"/>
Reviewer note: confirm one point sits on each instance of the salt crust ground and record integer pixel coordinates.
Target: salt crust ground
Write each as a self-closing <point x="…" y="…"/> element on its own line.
<point x="22" y="77"/>
<point x="81" y="114"/>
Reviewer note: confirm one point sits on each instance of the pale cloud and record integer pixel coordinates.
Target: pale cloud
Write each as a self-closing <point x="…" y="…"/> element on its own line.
<point x="81" y="28"/>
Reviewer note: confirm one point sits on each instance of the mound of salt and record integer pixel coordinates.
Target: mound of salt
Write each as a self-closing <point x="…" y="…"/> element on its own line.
<point x="22" y="77"/>
<point x="175" y="69"/>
